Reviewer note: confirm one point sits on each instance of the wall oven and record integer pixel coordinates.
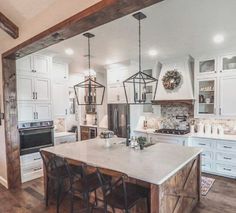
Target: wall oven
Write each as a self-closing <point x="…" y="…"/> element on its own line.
<point x="36" y="135"/>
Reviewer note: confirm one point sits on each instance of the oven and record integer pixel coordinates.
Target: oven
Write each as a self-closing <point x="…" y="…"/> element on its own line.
<point x="36" y="135"/>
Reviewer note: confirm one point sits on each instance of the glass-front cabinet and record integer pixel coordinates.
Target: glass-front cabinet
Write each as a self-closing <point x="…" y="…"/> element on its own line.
<point x="206" y="66"/>
<point x="228" y="64"/>
<point x="206" y="97"/>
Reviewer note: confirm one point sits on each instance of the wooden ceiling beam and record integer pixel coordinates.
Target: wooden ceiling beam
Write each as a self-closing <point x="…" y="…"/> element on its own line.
<point x="101" y="13"/>
<point x="8" y="26"/>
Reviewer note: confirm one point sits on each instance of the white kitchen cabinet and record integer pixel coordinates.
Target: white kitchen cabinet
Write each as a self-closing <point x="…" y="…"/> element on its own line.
<point x="60" y="99"/>
<point x="42" y="88"/>
<point x="33" y="89"/>
<point x="228" y="64"/>
<point x="158" y="138"/>
<point x="117" y="73"/>
<point x="116" y="94"/>
<point x="206" y="66"/>
<point x="31" y="166"/>
<point x="60" y="72"/>
<point x="28" y="112"/>
<point x="227" y="96"/>
<point x="34" y="65"/>
<point x="43" y="112"/>
<point x="206" y="97"/>
<point x="25" y="88"/>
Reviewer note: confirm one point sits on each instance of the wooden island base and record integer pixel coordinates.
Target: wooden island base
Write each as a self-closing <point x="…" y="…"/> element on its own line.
<point x="178" y="194"/>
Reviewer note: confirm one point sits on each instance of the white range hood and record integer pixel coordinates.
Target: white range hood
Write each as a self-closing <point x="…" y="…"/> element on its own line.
<point x="185" y="91"/>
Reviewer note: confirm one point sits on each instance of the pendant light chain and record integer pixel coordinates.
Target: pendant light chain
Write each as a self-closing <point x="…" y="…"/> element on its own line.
<point x="140" y="60"/>
<point x="89" y="55"/>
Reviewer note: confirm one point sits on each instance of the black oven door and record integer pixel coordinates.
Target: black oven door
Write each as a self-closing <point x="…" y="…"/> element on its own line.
<point x="31" y="140"/>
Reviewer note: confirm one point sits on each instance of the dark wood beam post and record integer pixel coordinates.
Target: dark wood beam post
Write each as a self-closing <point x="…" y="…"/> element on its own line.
<point x="8" y="26"/>
<point x="101" y="13"/>
<point x="10" y="118"/>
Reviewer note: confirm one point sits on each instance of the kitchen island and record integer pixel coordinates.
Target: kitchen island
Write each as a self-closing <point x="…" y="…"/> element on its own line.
<point x="171" y="172"/>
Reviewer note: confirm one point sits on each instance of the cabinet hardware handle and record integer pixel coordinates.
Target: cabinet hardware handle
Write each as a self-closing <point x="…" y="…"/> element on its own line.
<point x="228" y="147"/>
<point x="202" y="144"/>
<point x="66" y="111"/>
<point x="36" y="95"/>
<point x="203" y="154"/>
<point x="226" y="158"/>
<point x="220" y="111"/>
<point x="226" y="169"/>
<point x="33" y="95"/>
<point x="37" y="158"/>
<point x="34" y="116"/>
<point x="37" y="169"/>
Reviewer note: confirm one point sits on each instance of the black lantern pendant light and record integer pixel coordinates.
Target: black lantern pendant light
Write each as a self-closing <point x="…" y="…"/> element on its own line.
<point x="89" y="92"/>
<point x="140" y="85"/>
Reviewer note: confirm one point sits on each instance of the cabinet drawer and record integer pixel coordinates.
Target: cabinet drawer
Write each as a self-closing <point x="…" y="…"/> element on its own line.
<point x="226" y="146"/>
<point x="226" y="169"/>
<point x="207" y="166"/>
<point x="34" y="157"/>
<point x="32" y="167"/>
<point x="203" y="143"/>
<point x="31" y="176"/>
<point x="206" y="155"/>
<point x="227" y="157"/>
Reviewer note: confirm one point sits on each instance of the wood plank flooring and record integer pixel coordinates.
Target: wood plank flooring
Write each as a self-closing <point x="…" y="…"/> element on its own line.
<point x="29" y="199"/>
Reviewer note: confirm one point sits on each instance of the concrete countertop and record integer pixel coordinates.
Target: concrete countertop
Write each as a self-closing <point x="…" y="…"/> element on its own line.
<point x="154" y="164"/>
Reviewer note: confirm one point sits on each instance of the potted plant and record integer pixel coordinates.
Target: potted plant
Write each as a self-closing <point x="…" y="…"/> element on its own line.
<point x="141" y="142"/>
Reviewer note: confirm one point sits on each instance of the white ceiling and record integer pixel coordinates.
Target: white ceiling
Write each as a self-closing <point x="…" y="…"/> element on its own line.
<point x="173" y="27"/>
<point x="20" y="11"/>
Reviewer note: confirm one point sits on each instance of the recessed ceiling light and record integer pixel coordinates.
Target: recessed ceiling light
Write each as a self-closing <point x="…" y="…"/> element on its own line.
<point x="69" y="51"/>
<point x="152" y="53"/>
<point x="218" y="38"/>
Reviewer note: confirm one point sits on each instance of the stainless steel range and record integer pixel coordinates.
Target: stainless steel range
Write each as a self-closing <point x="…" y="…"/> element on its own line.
<point x="172" y="131"/>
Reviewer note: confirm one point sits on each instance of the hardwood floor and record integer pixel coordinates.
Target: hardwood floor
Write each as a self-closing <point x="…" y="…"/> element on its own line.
<point x="29" y="199"/>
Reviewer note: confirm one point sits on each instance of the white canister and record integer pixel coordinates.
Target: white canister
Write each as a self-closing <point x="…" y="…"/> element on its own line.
<point x="214" y="130"/>
<point x="192" y="128"/>
<point x="207" y="129"/>
<point x="200" y="128"/>
<point x="221" y="130"/>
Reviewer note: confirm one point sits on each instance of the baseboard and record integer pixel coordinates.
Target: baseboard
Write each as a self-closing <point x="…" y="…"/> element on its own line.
<point x="3" y="181"/>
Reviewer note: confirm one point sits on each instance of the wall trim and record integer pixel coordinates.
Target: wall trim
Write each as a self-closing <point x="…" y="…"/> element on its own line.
<point x="3" y="181"/>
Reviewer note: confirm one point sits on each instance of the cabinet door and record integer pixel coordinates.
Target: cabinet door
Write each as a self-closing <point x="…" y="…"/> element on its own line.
<point x="40" y="64"/>
<point x="60" y="99"/>
<point x="121" y="94"/>
<point x="206" y="97"/>
<point x="24" y="66"/>
<point x="25" y="88"/>
<point x="227" y="96"/>
<point x="26" y="112"/>
<point x="43" y="112"/>
<point x="228" y="64"/>
<point x="60" y="72"/>
<point x="42" y="89"/>
<point x="206" y="66"/>
<point x="112" y="93"/>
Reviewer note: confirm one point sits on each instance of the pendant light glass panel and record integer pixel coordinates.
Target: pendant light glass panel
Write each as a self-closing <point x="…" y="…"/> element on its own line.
<point x="141" y="87"/>
<point x="89" y="91"/>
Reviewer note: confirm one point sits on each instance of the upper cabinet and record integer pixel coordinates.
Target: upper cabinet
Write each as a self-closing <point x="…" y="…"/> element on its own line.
<point x="228" y="64"/>
<point x="33" y="89"/>
<point x="206" y="97"/>
<point x="215" y="80"/>
<point x="60" y="72"/>
<point x="35" y="65"/>
<point x="206" y="66"/>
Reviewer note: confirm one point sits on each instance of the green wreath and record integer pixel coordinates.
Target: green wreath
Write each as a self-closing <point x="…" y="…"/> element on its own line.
<point x="171" y="79"/>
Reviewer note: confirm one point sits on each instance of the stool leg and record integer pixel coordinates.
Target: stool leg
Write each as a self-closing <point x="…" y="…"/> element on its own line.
<point x="72" y="203"/>
<point x="96" y="199"/>
<point x="58" y="194"/>
<point x="47" y="192"/>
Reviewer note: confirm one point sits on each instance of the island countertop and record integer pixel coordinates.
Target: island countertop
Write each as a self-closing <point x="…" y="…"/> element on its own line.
<point x="154" y="164"/>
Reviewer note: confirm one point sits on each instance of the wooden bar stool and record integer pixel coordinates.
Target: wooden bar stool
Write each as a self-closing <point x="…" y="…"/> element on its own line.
<point x="121" y="194"/>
